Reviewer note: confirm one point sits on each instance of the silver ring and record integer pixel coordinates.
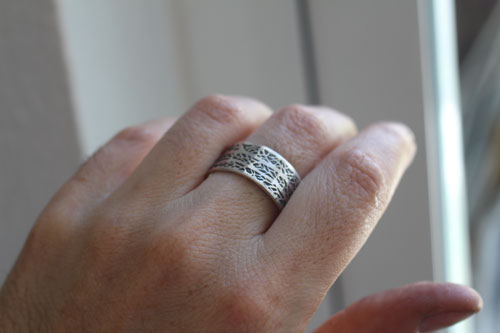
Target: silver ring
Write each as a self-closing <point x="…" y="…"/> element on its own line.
<point x="265" y="167"/>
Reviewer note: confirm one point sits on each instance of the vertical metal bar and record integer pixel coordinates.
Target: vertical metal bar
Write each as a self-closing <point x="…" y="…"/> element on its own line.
<point x="308" y="52"/>
<point x="443" y="115"/>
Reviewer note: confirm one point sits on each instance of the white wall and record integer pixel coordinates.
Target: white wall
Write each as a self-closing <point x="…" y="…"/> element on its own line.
<point x="38" y="144"/>
<point x="124" y="64"/>
<point x="132" y="61"/>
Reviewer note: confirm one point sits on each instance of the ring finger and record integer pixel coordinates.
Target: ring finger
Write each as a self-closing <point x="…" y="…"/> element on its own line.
<point x="302" y="135"/>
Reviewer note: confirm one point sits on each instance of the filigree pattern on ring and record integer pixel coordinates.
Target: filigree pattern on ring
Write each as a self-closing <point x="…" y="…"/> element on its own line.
<point x="265" y="166"/>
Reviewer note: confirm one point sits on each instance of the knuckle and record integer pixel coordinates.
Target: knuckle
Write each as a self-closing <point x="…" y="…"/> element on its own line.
<point x="97" y="162"/>
<point x="299" y="121"/>
<point x="52" y="231"/>
<point x="60" y="212"/>
<point x="365" y="176"/>
<point x="136" y="134"/>
<point x="220" y="109"/>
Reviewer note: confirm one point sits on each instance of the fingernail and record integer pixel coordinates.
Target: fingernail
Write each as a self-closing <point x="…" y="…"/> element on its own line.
<point x="443" y="320"/>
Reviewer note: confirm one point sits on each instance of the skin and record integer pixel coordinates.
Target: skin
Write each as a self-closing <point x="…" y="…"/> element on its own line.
<point x="141" y="239"/>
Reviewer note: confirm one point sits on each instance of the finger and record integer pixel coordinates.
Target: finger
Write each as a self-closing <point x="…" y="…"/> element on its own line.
<point x="419" y="307"/>
<point x="183" y="156"/>
<point x="109" y="167"/>
<point x="302" y="135"/>
<point x="335" y="207"/>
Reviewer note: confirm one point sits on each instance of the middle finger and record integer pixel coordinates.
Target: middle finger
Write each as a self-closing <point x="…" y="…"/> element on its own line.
<point x="302" y="135"/>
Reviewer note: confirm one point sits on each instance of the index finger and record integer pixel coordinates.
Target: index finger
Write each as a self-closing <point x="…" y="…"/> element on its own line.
<point x="334" y="209"/>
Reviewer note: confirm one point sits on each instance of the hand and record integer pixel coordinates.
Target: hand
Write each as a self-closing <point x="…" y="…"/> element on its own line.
<point x="140" y="239"/>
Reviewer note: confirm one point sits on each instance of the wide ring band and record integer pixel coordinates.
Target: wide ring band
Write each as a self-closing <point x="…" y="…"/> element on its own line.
<point x="262" y="165"/>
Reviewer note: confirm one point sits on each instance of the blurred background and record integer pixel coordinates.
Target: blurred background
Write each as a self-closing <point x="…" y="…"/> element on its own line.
<point x="479" y="36"/>
<point x="73" y="73"/>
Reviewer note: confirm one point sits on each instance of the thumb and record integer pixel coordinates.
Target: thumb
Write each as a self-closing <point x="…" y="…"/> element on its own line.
<point x="418" y="307"/>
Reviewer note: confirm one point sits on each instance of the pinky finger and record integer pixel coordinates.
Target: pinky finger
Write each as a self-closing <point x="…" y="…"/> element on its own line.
<point x="108" y="168"/>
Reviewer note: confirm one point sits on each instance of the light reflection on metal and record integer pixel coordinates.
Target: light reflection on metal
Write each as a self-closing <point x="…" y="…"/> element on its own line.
<point x="451" y="252"/>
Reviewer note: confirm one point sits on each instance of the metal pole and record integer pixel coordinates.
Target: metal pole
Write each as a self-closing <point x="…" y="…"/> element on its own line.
<point x="443" y="115"/>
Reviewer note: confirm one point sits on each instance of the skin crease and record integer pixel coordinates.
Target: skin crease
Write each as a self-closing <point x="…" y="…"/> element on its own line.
<point x="140" y="239"/>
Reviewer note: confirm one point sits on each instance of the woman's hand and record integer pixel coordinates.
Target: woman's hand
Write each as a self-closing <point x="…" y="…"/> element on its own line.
<point x="140" y="239"/>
